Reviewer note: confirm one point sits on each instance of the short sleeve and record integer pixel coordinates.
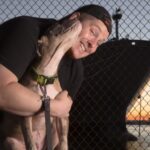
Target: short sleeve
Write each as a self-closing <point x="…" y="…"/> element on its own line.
<point x="18" y="39"/>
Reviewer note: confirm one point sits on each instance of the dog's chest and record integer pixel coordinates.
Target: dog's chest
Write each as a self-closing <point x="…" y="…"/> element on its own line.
<point x="52" y="89"/>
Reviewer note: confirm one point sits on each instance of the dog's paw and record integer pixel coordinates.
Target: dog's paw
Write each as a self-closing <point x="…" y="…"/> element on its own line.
<point x="13" y="144"/>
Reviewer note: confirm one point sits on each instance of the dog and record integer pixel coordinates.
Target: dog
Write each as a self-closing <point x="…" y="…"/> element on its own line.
<point x="52" y="46"/>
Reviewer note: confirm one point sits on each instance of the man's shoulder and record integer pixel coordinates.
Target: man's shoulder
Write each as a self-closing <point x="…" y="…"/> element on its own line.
<point x="26" y="21"/>
<point x="33" y="19"/>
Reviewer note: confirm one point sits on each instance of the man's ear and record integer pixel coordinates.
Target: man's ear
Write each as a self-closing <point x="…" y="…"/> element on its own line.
<point x="75" y="15"/>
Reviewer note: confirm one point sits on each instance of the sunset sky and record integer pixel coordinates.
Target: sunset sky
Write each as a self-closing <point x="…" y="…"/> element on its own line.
<point x="141" y="108"/>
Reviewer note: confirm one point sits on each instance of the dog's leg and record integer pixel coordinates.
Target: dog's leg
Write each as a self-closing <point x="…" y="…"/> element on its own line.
<point x="13" y="144"/>
<point x="62" y="129"/>
<point x="26" y="125"/>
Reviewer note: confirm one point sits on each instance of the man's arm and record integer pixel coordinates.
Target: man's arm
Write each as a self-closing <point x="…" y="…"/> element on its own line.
<point x="16" y="98"/>
<point x="19" y="100"/>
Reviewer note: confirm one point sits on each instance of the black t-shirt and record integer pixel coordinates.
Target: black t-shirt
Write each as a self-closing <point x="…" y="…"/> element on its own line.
<point x="18" y="44"/>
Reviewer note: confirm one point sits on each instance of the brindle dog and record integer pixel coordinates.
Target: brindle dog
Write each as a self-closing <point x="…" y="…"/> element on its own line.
<point x="52" y="47"/>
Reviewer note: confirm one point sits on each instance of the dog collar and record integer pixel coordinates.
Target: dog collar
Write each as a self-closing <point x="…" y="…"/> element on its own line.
<point x="42" y="79"/>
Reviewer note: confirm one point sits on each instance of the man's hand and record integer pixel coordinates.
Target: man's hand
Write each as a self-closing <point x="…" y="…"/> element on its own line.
<point x="61" y="104"/>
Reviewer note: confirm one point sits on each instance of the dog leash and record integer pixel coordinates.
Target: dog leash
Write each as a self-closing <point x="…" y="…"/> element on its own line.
<point x="46" y="105"/>
<point x="42" y="81"/>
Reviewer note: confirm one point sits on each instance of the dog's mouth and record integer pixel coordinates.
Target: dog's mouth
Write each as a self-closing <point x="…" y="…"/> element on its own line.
<point x="59" y="28"/>
<point x="69" y="24"/>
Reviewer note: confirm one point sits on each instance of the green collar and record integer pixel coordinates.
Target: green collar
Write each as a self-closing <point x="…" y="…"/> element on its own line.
<point x="42" y="79"/>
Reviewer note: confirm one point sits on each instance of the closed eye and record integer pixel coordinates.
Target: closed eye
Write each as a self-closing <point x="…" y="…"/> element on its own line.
<point x="94" y="33"/>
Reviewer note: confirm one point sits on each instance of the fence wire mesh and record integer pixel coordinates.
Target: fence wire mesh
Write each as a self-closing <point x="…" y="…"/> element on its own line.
<point x="115" y="96"/>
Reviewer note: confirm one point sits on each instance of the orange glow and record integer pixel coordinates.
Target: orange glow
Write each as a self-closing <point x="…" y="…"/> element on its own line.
<point x="137" y="117"/>
<point x="140" y="109"/>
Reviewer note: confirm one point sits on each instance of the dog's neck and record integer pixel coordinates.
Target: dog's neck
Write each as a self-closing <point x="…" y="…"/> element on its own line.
<point x="54" y="48"/>
<point x="49" y="67"/>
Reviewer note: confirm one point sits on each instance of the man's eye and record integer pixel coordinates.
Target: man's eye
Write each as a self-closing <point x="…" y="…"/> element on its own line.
<point x="95" y="33"/>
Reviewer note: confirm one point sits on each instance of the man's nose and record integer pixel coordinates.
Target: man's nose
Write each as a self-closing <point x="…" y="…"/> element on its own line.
<point x="93" y="43"/>
<point x="91" y="48"/>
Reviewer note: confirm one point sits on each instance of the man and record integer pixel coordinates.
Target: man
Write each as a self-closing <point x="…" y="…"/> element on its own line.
<point x="18" y="40"/>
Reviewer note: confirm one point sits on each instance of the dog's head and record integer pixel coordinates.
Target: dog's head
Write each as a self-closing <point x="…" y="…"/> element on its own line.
<point x="57" y="33"/>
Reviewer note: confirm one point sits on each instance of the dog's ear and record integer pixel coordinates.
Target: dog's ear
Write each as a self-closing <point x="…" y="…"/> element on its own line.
<point x="43" y="41"/>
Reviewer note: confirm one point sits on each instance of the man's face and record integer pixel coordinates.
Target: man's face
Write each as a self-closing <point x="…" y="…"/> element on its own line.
<point x="93" y="34"/>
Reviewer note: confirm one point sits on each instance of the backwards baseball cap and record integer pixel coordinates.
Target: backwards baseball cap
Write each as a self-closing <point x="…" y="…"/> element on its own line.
<point x="99" y="12"/>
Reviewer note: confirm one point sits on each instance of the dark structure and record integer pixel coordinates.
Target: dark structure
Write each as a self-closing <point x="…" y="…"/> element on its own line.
<point x="113" y="76"/>
<point x="116" y="17"/>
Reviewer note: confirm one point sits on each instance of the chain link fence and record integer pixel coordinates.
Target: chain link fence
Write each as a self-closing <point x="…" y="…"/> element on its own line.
<point x="114" y="99"/>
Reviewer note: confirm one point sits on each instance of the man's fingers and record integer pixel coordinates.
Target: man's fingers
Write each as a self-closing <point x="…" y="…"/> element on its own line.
<point x="64" y="93"/>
